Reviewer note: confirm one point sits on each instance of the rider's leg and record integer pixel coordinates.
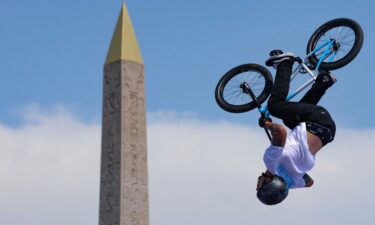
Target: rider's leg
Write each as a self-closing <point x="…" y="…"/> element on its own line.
<point x="280" y="88"/>
<point x="324" y="81"/>
<point x="292" y="113"/>
<point x="314" y="95"/>
<point x="277" y="103"/>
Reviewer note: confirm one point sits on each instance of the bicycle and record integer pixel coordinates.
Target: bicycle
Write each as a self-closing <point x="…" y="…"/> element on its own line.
<point x="332" y="46"/>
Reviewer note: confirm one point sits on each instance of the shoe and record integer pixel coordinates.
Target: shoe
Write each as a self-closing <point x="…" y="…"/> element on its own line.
<point x="325" y="79"/>
<point x="277" y="56"/>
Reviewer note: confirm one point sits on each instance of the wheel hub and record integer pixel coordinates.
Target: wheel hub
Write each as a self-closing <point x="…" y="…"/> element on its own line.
<point x="245" y="87"/>
<point x="335" y="46"/>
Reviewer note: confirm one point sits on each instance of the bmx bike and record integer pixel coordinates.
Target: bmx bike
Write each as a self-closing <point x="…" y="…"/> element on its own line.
<point x="332" y="46"/>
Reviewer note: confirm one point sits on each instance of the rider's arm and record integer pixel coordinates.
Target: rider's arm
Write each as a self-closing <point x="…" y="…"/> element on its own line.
<point x="278" y="132"/>
<point x="308" y="180"/>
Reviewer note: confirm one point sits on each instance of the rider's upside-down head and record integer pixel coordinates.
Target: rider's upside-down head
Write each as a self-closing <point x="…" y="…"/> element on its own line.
<point x="271" y="189"/>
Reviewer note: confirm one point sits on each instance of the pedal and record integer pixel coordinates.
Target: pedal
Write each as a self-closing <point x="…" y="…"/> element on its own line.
<point x="309" y="65"/>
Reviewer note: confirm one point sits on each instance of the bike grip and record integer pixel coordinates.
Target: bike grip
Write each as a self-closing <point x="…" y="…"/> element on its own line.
<point x="267" y="115"/>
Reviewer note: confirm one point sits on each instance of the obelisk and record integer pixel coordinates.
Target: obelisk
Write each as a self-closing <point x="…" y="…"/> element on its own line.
<point x="123" y="180"/>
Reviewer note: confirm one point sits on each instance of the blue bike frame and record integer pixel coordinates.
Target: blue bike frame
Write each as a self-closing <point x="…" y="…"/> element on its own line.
<point x="302" y="65"/>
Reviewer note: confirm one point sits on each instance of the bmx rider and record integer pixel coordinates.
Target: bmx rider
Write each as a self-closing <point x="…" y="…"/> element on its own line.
<point x="291" y="155"/>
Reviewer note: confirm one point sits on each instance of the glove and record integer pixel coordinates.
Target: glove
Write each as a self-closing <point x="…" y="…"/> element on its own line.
<point x="264" y="178"/>
<point x="262" y="121"/>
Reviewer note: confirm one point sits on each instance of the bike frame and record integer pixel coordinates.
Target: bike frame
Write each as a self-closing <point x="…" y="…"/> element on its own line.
<point x="302" y="65"/>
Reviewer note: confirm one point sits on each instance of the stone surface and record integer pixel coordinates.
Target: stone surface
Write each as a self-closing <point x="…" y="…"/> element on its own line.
<point x="124" y="175"/>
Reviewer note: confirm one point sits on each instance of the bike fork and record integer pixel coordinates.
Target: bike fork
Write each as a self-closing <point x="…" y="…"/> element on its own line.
<point x="246" y="89"/>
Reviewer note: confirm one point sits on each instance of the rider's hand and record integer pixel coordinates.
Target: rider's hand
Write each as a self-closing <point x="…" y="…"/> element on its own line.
<point x="263" y="120"/>
<point x="264" y="178"/>
<point x="261" y="180"/>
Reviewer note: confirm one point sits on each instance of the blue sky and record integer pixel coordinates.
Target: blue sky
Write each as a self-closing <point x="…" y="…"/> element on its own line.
<point x="52" y="52"/>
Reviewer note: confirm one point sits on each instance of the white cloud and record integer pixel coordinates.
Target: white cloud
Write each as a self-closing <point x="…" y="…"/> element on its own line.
<point x="201" y="173"/>
<point x="49" y="170"/>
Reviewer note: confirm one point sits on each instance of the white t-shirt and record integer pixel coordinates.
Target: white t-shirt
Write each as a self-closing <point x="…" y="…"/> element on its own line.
<point x="292" y="161"/>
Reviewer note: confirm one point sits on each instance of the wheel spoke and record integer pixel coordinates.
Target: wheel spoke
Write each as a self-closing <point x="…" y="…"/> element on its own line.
<point x="338" y="33"/>
<point x="234" y="95"/>
<point x="345" y="39"/>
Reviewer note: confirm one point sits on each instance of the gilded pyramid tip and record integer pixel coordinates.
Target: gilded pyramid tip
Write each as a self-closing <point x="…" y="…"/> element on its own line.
<point x="124" y="44"/>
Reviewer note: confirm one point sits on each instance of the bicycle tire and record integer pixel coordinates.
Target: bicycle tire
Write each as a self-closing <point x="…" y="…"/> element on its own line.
<point x="325" y="28"/>
<point x="239" y="72"/>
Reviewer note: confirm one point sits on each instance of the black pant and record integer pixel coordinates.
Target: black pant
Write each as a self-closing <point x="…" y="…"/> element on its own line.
<point x="306" y="110"/>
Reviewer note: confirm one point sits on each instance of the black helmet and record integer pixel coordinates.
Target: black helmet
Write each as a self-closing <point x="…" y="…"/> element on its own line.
<point x="273" y="192"/>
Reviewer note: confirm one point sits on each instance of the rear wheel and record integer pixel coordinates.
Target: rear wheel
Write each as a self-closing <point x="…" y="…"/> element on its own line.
<point x="230" y="93"/>
<point x="347" y="38"/>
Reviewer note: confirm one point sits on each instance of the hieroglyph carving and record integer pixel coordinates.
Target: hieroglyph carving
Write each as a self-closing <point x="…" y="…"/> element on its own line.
<point x="111" y="147"/>
<point x="135" y="187"/>
<point x="124" y="185"/>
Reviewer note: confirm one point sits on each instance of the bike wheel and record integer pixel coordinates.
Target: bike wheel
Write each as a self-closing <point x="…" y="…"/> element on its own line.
<point x="347" y="37"/>
<point x="232" y="98"/>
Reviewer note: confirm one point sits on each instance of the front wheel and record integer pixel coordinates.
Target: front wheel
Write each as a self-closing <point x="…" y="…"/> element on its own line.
<point x="230" y="93"/>
<point x="346" y="37"/>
